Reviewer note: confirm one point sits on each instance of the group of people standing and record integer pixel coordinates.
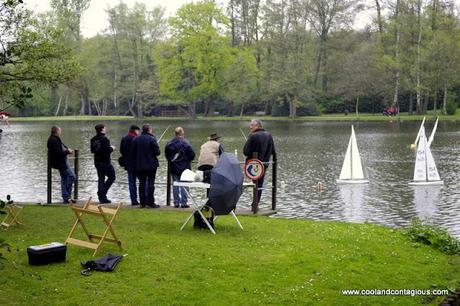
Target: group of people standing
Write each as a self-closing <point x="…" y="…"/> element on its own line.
<point x="139" y="157"/>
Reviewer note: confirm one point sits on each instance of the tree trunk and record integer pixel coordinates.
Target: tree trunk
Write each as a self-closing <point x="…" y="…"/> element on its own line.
<point x="435" y="102"/>
<point x="66" y="103"/>
<point x="242" y="110"/>
<point x="397" y="43"/>
<point x="444" y="100"/>
<point x="192" y="109"/>
<point x="379" y="17"/>
<point x="357" y="107"/>
<point x="411" y="103"/>
<point x="419" y="41"/>
<point x="58" y="108"/>
<point x="292" y="107"/>
<point x="318" y="66"/>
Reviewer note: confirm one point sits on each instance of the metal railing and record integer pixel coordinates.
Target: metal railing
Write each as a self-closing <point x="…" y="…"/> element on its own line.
<point x="255" y="199"/>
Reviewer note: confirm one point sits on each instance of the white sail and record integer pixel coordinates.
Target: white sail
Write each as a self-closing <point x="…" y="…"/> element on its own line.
<point x="420" y="158"/>
<point x="419" y="131"/>
<point x="425" y="171"/>
<point x="352" y="168"/>
<point x="430" y="140"/>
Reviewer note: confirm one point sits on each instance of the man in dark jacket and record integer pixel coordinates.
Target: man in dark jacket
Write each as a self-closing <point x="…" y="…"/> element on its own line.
<point x="101" y="148"/>
<point x="128" y="159"/>
<point x="179" y="154"/>
<point x="146" y="151"/>
<point x="58" y="158"/>
<point x="259" y="141"/>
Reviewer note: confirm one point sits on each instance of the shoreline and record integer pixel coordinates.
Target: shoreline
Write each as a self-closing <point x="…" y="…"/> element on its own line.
<point x="323" y="118"/>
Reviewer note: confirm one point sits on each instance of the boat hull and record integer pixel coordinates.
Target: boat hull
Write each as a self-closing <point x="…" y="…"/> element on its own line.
<point x="355" y="181"/>
<point x="426" y="183"/>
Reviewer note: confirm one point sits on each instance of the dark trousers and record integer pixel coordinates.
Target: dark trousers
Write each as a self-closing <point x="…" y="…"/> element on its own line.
<point x="104" y="170"/>
<point x="260" y="184"/>
<point x="147" y="187"/>
<point x="132" y="178"/>
<point x="67" y="179"/>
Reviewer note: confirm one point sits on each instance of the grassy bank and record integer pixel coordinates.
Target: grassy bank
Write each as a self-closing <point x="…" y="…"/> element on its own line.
<point x="272" y="261"/>
<point x="326" y="117"/>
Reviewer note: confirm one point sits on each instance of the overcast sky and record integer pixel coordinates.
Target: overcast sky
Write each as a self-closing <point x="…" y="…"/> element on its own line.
<point x="95" y="19"/>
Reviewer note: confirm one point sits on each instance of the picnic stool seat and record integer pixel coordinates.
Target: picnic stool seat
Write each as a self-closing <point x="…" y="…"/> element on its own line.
<point x="107" y="215"/>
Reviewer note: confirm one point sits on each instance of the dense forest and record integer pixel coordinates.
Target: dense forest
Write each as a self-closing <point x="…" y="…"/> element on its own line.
<point x="277" y="57"/>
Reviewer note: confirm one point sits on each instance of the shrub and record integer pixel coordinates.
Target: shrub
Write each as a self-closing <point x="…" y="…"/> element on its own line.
<point x="433" y="235"/>
<point x="451" y="107"/>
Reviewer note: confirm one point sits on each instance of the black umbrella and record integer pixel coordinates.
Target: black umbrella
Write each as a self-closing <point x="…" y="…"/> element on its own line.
<point x="106" y="263"/>
<point x="226" y="184"/>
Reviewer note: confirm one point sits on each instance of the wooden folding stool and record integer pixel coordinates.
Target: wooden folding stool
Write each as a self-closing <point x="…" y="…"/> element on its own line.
<point x="12" y="216"/>
<point x="108" y="216"/>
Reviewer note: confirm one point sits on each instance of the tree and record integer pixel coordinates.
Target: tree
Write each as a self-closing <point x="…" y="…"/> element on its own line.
<point x="34" y="54"/>
<point x="200" y="53"/>
<point x="135" y="32"/>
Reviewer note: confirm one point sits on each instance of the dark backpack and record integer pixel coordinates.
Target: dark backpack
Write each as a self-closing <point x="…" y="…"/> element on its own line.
<point x="208" y="213"/>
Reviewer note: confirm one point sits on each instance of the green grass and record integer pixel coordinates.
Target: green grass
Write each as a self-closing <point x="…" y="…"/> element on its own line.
<point x="326" y="117"/>
<point x="271" y="261"/>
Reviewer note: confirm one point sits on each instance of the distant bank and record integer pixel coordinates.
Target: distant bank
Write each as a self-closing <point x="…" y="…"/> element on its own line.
<point x="327" y="117"/>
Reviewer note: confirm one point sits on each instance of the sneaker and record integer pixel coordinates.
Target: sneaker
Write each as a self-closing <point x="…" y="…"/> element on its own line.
<point x="70" y="201"/>
<point x="105" y="201"/>
<point x="176" y="205"/>
<point x="184" y="206"/>
<point x="135" y="204"/>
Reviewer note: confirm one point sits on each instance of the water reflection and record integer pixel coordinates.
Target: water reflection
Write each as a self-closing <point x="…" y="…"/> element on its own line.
<point x="353" y="201"/>
<point x="426" y="200"/>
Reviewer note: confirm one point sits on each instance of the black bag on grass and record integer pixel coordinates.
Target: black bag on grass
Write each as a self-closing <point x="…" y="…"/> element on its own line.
<point x="106" y="263"/>
<point x="208" y="213"/>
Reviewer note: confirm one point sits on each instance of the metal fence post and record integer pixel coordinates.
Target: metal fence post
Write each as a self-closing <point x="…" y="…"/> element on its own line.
<point x="274" y="180"/>
<point x="168" y="185"/>
<point x="49" y="182"/>
<point x="255" y="191"/>
<point x="76" y="169"/>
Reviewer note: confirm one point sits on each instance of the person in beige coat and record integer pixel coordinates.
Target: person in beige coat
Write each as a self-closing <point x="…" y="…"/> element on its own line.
<point x="209" y="154"/>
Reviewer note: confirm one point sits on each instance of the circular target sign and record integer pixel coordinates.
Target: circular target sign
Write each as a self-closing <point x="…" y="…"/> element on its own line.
<point x="254" y="169"/>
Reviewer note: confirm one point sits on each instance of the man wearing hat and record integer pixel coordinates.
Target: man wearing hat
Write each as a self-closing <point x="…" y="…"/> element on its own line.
<point x="128" y="161"/>
<point x="101" y="148"/>
<point x="209" y="154"/>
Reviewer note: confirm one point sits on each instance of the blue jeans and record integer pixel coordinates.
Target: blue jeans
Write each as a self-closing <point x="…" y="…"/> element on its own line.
<point x="179" y="193"/>
<point x="103" y="185"/>
<point x="67" y="179"/>
<point x="132" y="186"/>
<point x="260" y="184"/>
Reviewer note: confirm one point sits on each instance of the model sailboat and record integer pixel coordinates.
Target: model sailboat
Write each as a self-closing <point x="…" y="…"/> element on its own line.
<point x="353" y="171"/>
<point x="425" y="171"/>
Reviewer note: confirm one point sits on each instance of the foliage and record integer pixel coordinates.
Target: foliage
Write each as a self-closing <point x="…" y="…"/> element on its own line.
<point x="452" y="106"/>
<point x="272" y="261"/>
<point x="433" y="235"/>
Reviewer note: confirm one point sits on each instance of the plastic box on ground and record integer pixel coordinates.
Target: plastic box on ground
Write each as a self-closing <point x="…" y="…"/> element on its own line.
<point x="46" y="253"/>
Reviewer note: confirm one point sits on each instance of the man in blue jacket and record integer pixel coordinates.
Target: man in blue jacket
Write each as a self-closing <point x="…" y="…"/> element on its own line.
<point x="179" y="154"/>
<point x="58" y="160"/>
<point x="146" y="151"/>
<point x="101" y="148"/>
<point x="128" y="160"/>
<point x="259" y="141"/>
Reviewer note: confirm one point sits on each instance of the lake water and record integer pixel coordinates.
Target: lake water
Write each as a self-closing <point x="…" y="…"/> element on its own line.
<point x="308" y="153"/>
